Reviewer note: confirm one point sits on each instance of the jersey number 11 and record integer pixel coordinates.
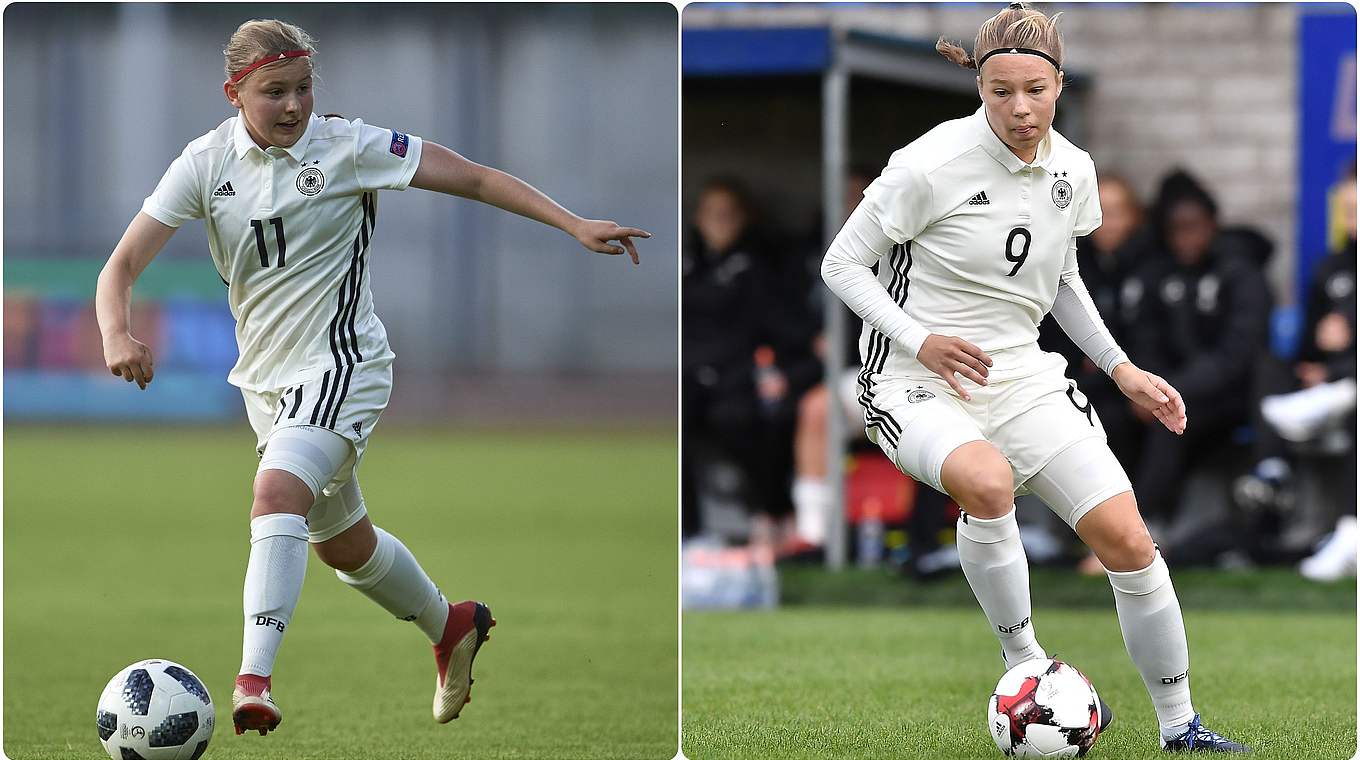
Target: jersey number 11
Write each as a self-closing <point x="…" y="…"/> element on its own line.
<point x="278" y="238"/>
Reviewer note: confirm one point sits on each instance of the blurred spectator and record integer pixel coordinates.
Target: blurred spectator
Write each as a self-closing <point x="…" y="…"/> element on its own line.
<point x="1309" y="420"/>
<point x="745" y="353"/>
<point x="811" y="492"/>
<point x="1202" y="311"/>
<point x="930" y="510"/>
<point x="1107" y="258"/>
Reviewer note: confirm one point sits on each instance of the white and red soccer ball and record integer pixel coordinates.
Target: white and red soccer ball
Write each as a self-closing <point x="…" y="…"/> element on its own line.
<point x="1044" y="708"/>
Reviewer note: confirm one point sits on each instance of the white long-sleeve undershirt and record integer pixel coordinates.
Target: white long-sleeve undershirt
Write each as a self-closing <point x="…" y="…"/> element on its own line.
<point x="1077" y="316"/>
<point x="846" y="270"/>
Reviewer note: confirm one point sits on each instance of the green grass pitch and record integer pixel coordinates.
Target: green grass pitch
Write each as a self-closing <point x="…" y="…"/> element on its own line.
<point x="842" y="682"/>
<point x="123" y="543"/>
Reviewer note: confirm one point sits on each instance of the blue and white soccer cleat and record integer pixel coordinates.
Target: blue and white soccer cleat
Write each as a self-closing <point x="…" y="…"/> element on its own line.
<point x="1200" y="739"/>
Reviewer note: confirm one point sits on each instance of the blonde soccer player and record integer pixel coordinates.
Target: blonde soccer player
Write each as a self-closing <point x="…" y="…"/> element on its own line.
<point x="973" y="227"/>
<point x="290" y="203"/>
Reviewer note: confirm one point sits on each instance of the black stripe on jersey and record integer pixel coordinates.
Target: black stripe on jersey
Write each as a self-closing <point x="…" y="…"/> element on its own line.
<point x="344" y="339"/>
<point x="880" y="347"/>
<point x="357" y="273"/>
<point x="349" y="372"/>
<point x="316" y="410"/>
<point x="340" y="347"/>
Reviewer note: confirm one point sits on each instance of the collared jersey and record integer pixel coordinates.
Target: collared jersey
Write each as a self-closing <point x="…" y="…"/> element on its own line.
<point x="983" y="237"/>
<point x="289" y="232"/>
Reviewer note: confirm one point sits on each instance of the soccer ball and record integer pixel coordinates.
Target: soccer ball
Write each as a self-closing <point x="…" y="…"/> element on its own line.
<point x="155" y="710"/>
<point x="1044" y="708"/>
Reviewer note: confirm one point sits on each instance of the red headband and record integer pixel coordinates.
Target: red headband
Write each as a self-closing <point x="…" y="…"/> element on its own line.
<point x="265" y="61"/>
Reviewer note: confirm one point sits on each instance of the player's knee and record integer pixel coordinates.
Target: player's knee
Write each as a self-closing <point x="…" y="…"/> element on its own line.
<point x="993" y="493"/>
<point x="1130" y="550"/>
<point x="980" y="479"/>
<point x="350" y="550"/>
<point x="985" y="489"/>
<point x="279" y="491"/>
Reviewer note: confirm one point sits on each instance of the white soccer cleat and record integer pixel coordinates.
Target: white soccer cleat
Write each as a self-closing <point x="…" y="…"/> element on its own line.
<point x="467" y="628"/>
<point x="252" y="706"/>
<point x="1301" y="415"/>
<point x="1336" y="557"/>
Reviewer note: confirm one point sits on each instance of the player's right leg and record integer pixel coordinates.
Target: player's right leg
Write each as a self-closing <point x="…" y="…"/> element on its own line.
<point x="295" y="463"/>
<point x="930" y="436"/>
<point x="378" y="565"/>
<point x="980" y="480"/>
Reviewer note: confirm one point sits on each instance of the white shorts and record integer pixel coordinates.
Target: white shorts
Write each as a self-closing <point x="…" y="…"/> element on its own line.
<point x="348" y="401"/>
<point x="919" y="421"/>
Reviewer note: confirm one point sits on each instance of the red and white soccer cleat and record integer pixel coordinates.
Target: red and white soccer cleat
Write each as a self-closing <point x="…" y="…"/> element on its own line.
<point x="468" y="626"/>
<point x="252" y="707"/>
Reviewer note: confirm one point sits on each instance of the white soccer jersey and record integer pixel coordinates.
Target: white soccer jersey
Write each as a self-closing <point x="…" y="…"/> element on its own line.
<point x="983" y="237"/>
<point x="289" y="231"/>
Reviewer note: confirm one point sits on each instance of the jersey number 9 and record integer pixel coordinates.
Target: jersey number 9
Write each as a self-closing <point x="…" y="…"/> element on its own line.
<point x="1019" y="259"/>
<point x="278" y="240"/>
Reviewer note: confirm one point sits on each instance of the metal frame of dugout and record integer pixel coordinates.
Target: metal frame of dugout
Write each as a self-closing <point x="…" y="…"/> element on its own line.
<point x="835" y="55"/>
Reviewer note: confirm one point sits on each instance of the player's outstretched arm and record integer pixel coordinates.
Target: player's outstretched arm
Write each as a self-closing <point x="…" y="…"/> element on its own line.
<point x="445" y="171"/>
<point x="124" y="355"/>
<point x="1153" y="394"/>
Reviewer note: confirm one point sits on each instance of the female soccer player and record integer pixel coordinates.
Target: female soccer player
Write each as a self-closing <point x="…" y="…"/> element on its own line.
<point x="290" y="203"/>
<point x="978" y="219"/>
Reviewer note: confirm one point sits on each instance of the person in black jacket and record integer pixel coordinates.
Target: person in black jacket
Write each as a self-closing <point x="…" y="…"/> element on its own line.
<point x="1326" y="357"/>
<point x="1106" y="259"/>
<point x="1202" y="321"/>
<point x="746" y="354"/>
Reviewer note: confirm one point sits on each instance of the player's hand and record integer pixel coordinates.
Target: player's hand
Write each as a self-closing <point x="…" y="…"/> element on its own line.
<point x="130" y="359"/>
<point x="947" y="356"/>
<point x="1152" y="394"/>
<point x="595" y="234"/>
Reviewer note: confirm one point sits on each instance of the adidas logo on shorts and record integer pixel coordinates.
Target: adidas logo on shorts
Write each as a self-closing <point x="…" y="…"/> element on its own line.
<point x="979" y="200"/>
<point x="225" y="190"/>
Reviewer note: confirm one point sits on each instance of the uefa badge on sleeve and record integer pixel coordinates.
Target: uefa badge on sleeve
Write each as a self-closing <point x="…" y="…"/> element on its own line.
<point x="399" y="143"/>
<point x="1062" y="193"/>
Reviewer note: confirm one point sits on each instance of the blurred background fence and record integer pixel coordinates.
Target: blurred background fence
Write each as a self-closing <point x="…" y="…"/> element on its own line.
<point x="493" y="318"/>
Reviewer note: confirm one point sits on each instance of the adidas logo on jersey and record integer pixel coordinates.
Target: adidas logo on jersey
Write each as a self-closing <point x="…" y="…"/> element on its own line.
<point x="979" y="200"/>
<point x="225" y="190"/>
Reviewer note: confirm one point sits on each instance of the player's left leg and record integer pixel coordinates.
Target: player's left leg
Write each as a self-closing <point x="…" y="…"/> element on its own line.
<point x="1077" y="483"/>
<point x="379" y="566"/>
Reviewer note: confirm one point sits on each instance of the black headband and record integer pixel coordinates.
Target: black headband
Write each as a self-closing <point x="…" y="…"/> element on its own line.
<point x="1026" y="51"/>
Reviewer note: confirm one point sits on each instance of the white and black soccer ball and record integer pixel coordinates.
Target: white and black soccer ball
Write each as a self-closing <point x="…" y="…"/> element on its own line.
<point x="155" y="710"/>
<point x="1044" y="708"/>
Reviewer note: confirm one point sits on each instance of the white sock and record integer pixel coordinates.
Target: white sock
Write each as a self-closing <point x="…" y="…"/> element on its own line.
<point x="810" y="499"/>
<point x="1154" y="633"/>
<point x="394" y="580"/>
<point x="994" y="563"/>
<point x="278" y="563"/>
